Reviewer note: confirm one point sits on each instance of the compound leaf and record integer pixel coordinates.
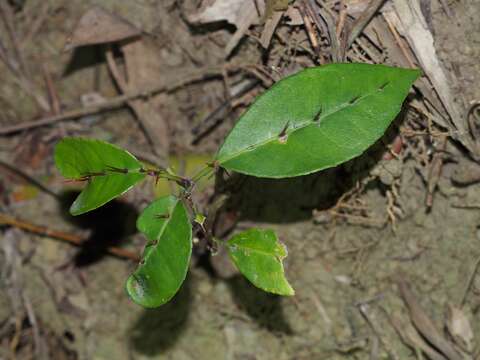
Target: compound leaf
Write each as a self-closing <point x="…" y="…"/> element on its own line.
<point x="165" y="259"/>
<point x="258" y="255"/>
<point x="316" y="119"/>
<point x="108" y="170"/>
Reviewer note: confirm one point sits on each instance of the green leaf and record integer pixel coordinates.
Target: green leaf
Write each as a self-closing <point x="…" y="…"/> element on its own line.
<point x="258" y="255"/>
<point x="109" y="170"/>
<point x="316" y="119"/>
<point x="165" y="261"/>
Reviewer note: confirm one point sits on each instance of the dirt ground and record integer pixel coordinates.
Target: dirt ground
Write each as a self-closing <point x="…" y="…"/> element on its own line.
<point x="383" y="251"/>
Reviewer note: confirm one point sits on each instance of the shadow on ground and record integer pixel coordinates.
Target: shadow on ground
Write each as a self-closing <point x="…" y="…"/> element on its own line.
<point x="262" y="307"/>
<point x="109" y="225"/>
<point x="158" y="329"/>
<point x="293" y="199"/>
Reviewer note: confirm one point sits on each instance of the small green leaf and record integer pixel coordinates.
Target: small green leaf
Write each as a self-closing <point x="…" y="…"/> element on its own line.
<point x="316" y="119"/>
<point x="165" y="261"/>
<point x="109" y="170"/>
<point x="258" y="255"/>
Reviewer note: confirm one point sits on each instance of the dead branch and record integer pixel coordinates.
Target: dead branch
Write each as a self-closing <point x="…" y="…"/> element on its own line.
<point x="362" y="21"/>
<point x="118" y="101"/>
<point x="60" y="235"/>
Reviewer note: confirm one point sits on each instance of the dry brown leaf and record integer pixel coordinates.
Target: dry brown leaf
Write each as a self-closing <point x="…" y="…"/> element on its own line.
<point x="356" y="7"/>
<point x="272" y="6"/>
<point x="143" y="69"/>
<point x="294" y="18"/>
<point x="231" y="11"/>
<point x="241" y="13"/>
<point x="412" y="338"/>
<point x="459" y="327"/>
<point x="424" y="324"/>
<point x="98" y="26"/>
<point x="269" y="28"/>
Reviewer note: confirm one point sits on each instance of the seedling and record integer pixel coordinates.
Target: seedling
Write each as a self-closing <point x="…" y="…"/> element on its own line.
<point x="316" y="119"/>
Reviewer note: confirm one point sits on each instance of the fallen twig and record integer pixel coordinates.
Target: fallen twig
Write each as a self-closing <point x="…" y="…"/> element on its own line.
<point x="118" y="101"/>
<point x="212" y="120"/>
<point x="30" y="179"/>
<point x="312" y="36"/>
<point x="362" y="21"/>
<point x="363" y="307"/>
<point x="435" y="171"/>
<point x="64" y="236"/>
<point x="328" y="18"/>
<point x="400" y="42"/>
<point x="470" y="282"/>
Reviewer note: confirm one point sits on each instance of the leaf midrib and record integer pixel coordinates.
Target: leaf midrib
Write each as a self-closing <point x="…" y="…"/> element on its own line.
<point x="165" y="224"/>
<point x="262" y="252"/>
<point x="299" y="127"/>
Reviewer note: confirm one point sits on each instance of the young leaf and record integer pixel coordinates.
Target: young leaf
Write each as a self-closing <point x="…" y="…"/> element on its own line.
<point x="316" y="119"/>
<point x="109" y="170"/>
<point x="258" y="255"/>
<point x="165" y="261"/>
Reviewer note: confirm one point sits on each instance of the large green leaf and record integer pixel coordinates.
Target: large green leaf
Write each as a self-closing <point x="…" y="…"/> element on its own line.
<point x="316" y="119"/>
<point x="165" y="261"/>
<point x="108" y="170"/>
<point x="258" y="255"/>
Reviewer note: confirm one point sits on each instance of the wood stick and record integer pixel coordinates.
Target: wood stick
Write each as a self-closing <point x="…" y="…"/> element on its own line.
<point x="64" y="236"/>
<point x="117" y="102"/>
<point x="363" y="21"/>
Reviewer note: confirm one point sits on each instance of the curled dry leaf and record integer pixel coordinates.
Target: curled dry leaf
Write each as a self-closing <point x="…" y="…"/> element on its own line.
<point x="294" y="18"/>
<point x="241" y="13"/>
<point x="459" y="327"/>
<point x="98" y="26"/>
<point x="231" y="11"/>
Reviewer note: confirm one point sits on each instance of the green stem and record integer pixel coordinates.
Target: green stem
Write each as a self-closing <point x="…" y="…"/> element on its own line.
<point x="165" y="174"/>
<point x="206" y="171"/>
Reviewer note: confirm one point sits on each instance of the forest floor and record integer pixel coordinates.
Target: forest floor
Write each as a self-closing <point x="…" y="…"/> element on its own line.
<point x="384" y="251"/>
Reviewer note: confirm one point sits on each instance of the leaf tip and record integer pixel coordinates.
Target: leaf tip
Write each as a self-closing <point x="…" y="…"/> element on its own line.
<point x="416" y="73"/>
<point x="76" y="209"/>
<point x="135" y="288"/>
<point x="79" y="206"/>
<point x="289" y="291"/>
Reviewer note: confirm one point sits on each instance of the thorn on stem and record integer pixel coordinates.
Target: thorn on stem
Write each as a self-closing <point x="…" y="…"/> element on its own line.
<point x="149" y="172"/>
<point x="354" y="100"/>
<point x="152" y="243"/>
<point x="214" y="164"/>
<point x="383" y="85"/>
<point x="185" y="183"/>
<point x="117" y="170"/>
<point x="316" y="118"/>
<point x="90" y="175"/>
<point x="283" y="136"/>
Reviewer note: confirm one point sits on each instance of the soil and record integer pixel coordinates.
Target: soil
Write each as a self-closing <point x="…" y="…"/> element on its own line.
<point x="63" y="302"/>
